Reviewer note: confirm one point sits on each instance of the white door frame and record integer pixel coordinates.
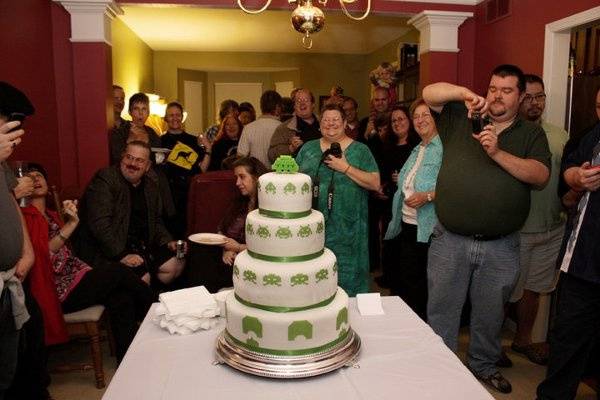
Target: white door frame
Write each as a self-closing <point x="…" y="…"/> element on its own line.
<point x="556" y="62"/>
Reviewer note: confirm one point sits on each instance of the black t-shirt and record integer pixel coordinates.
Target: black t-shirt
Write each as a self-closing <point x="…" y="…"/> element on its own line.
<point x="394" y="157"/>
<point x="169" y="140"/>
<point x="221" y="149"/>
<point x="307" y="131"/>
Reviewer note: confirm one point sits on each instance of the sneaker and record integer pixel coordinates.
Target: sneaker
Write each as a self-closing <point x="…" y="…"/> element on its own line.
<point x="497" y="381"/>
<point x="504" y="361"/>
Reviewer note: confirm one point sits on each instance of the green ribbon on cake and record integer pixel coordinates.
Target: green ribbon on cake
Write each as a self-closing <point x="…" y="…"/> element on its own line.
<point x="300" y="352"/>
<point x="284" y="214"/>
<point x="279" y="309"/>
<point x="288" y="259"/>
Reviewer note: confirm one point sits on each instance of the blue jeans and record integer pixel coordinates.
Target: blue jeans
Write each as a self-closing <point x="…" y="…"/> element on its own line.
<point x="488" y="270"/>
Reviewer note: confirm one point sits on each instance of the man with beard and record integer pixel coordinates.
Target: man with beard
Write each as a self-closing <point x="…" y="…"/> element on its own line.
<point x="542" y="234"/>
<point x="302" y="127"/>
<point x="482" y="200"/>
<point x="121" y="221"/>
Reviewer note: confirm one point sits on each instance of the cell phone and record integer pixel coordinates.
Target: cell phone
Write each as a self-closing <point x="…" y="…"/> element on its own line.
<point x="16" y="116"/>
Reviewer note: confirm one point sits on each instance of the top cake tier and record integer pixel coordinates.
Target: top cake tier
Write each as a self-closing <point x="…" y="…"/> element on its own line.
<point x="284" y="195"/>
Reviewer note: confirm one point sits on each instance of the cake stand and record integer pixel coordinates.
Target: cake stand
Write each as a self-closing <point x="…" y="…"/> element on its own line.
<point x="343" y="354"/>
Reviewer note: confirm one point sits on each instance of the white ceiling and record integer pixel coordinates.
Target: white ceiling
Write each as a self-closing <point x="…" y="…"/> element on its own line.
<point x="183" y="28"/>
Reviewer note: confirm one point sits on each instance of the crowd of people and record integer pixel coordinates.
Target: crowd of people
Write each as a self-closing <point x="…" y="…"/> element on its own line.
<point x="458" y="198"/>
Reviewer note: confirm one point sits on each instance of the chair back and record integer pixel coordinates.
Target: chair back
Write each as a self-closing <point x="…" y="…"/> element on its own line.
<point x="209" y="198"/>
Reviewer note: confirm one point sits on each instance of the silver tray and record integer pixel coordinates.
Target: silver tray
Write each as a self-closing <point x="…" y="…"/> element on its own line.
<point x="343" y="354"/>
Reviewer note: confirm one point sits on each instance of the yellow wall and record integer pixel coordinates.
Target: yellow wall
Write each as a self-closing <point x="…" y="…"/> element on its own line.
<point x="317" y="72"/>
<point x="132" y="61"/>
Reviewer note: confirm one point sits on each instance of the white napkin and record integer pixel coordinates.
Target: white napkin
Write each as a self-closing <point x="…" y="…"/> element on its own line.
<point x="187" y="310"/>
<point x="369" y="304"/>
<point x="194" y="301"/>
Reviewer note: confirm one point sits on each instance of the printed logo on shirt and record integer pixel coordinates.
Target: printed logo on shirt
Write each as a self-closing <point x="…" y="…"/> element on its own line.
<point x="183" y="156"/>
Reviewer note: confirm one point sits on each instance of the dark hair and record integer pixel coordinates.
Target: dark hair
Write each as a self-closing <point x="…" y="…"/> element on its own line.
<point x="413" y="137"/>
<point x="33" y="166"/>
<point x="226" y="106"/>
<point x="247" y="106"/>
<point x="269" y="102"/>
<point x="334" y="107"/>
<point x="240" y="204"/>
<point x="138" y="98"/>
<point x="505" y="70"/>
<point x="350" y="99"/>
<point x="531" y="78"/>
<point x="174" y="104"/>
<point x="118" y="87"/>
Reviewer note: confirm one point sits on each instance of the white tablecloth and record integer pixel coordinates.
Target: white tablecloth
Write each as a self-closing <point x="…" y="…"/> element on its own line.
<point x="401" y="358"/>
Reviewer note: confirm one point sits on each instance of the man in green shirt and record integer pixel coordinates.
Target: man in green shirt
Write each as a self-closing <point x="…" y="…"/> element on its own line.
<point x="542" y="234"/>
<point x="482" y="200"/>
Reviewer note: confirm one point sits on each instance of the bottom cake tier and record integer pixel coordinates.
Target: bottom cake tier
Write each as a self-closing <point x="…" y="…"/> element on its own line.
<point x="288" y="333"/>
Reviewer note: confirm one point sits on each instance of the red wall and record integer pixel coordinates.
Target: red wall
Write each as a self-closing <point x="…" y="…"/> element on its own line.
<point x="519" y="38"/>
<point x="26" y="48"/>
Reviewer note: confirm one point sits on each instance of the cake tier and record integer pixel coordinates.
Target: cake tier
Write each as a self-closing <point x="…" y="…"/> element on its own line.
<point x="295" y="285"/>
<point x="288" y="333"/>
<point x="284" y="195"/>
<point x="273" y="237"/>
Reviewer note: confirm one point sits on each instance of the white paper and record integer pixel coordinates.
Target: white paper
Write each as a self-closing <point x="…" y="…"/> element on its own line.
<point x="369" y="304"/>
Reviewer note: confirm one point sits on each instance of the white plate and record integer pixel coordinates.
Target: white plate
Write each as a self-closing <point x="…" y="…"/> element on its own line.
<point x="208" y="238"/>
<point x="160" y="150"/>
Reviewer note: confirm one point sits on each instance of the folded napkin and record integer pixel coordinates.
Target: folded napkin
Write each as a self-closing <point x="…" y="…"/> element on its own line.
<point x="187" y="310"/>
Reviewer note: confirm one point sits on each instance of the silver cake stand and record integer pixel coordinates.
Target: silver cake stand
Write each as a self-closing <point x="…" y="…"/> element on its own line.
<point x="343" y="354"/>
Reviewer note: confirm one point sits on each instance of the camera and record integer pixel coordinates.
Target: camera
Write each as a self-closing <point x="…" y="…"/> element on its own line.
<point x="335" y="150"/>
<point x="478" y="122"/>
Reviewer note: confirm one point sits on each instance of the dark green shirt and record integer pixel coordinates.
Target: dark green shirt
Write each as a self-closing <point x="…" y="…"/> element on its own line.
<point x="474" y="195"/>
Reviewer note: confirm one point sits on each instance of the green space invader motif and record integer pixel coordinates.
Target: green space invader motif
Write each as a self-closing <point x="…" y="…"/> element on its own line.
<point x="270" y="188"/>
<point x="322" y="274"/>
<point x="299" y="279"/>
<point x="335" y="268"/>
<point x="284" y="232"/>
<point x="285" y="165"/>
<point x="343" y="332"/>
<point x="305" y="188"/>
<point x="300" y="328"/>
<point x="272" y="280"/>
<point x="236" y="271"/>
<point x="263" y="232"/>
<point x="251" y="342"/>
<point x="249" y="229"/>
<point x="342" y="317"/>
<point x="320" y="227"/>
<point x="250" y="276"/>
<point x="252" y="324"/>
<point x="290" y="188"/>
<point x="304" y="231"/>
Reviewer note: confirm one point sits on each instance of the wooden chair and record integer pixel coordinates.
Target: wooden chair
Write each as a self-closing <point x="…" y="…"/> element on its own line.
<point x="85" y="323"/>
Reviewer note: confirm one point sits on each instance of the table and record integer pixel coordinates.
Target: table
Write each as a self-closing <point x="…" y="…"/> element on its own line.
<point x="401" y="358"/>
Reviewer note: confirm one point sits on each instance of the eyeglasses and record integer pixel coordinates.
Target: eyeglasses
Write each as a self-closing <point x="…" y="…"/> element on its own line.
<point x="136" y="160"/>
<point x="417" y="117"/>
<point x="539" y="98"/>
<point x="331" y="121"/>
<point x="400" y="119"/>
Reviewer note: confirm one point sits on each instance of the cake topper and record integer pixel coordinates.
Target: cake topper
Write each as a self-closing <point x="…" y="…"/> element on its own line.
<point x="285" y="165"/>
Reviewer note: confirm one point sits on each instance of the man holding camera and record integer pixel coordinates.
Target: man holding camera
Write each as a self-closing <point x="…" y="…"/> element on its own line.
<point x="482" y="200"/>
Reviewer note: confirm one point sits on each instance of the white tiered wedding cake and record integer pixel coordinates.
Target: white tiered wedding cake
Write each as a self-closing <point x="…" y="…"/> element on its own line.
<point x="286" y="301"/>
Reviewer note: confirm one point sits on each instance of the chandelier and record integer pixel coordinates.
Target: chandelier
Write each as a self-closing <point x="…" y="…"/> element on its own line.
<point x="307" y="18"/>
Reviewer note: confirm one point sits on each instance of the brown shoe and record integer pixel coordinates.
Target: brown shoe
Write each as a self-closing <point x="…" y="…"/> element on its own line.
<point x="536" y="352"/>
<point x="495" y="380"/>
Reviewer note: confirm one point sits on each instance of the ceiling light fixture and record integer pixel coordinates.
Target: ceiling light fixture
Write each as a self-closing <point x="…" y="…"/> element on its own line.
<point x="307" y="18"/>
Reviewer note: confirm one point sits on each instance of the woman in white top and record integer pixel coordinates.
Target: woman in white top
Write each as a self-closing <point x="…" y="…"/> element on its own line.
<point x="413" y="210"/>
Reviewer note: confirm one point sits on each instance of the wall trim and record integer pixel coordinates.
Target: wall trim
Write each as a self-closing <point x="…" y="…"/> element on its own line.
<point x="439" y="29"/>
<point x="91" y="19"/>
<point x="454" y="2"/>
<point x="556" y="62"/>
